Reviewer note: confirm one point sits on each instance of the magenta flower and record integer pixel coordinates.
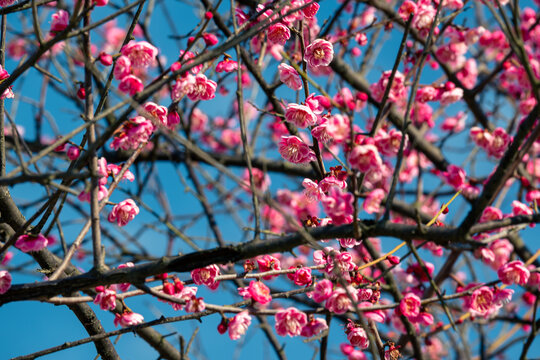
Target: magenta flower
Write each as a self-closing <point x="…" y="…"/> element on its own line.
<point x="514" y="272"/>
<point x="323" y="290"/>
<point x="128" y="318"/>
<point x="131" y="85"/>
<point x="289" y="76"/>
<point x="105" y="298"/>
<point x="227" y="66"/>
<point x="239" y="325"/>
<point x="300" y="115"/>
<point x="339" y="206"/>
<point x="123" y="212"/>
<point x="302" y="276"/>
<point x="60" y="21"/>
<point x="124" y="286"/>
<point x="207" y="276"/>
<point x="278" y="34"/>
<point x="4" y="3"/>
<point x="27" y="243"/>
<point x="294" y="150"/>
<point x="314" y="327"/>
<point x="259" y="292"/>
<point x="122" y="68"/>
<point x="5" y="281"/>
<point x="157" y="112"/>
<point x="339" y="302"/>
<point x="357" y="336"/>
<point x="372" y="203"/>
<point x="268" y="263"/>
<point x="311" y="10"/>
<point x="141" y="53"/>
<point x="365" y="158"/>
<point x="319" y="53"/>
<point x="290" y="322"/>
<point x="201" y="88"/>
<point x="195" y="304"/>
<point x="410" y="305"/>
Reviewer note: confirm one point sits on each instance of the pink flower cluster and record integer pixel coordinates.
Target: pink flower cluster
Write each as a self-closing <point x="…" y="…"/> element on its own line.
<point x="494" y="143"/>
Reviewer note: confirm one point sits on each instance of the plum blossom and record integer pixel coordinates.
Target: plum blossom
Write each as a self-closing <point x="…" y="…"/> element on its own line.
<point x="227" y="65"/>
<point x="300" y="115"/>
<point x="294" y="150"/>
<point x="134" y="132"/>
<point x="365" y="158"/>
<point x="339" y="206"/>
<point x="141" y="53"/>
<point x="5" y="281"/>
<point x="123" y="212"/>
<point x="106" y="298"/>
<point x="60" y="21"/>
<point x="122" y="67"/>
<point x="278" y="34"/>
<point x="372" y="203"/>
<point x="314" y="327"/>
<point x="323" y="290"/>
<point x="268" y="263"/>
<point x="259" y="292"/>
<point x="30" y="242"/>
<point x="356" y="335"/>
<point x="131" y="84"/>
<point x="514" y="272"/>
<point x="207" y="276"/>
<point x="410" y="305"/>
<point x="398" y="91"/>
<point x="302" y="276"/>
<point x="195" y="304"/>
<point x="201" y="88"/>
<point x="124" y="286"/>
<point x="290" y="322"/>
<point x="319" y="53"/>
<point x="239" y="325"/>
<point x="128" y="318"/>
<point x="339" y="302"/>
<point x="289" y="76"/>
<point x="260" y="180"/>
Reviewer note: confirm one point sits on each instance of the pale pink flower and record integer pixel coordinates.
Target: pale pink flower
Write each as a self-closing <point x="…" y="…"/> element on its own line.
<point x="319" y="53"/>
<point x="239" y="325"/>
<point x="198" y="120"/>
<point x="123" y="212"/>
<point x="278" y="34"/>
<point x="338" y="127"/>
<point x="502" y="297"/>
<point x="141" y="53"/>
<point x="290" y="322"/>
<point x="114" y="170"/>
<point x="259" y="292"/>
<point x="187" y="59"/>
<point x="357" y="336"/>
<point x="60" y="21"/>
<point x="410" y="305"/>
<point x="122" y="67"/>
<point x="372" y="203"/>
<point x="365" y="158"/>
<point x="514" y="272"/>
<point x="451" y="96"/>
<point x="320" y="132"/>
<point x="268" y="263"/>
<point x="339" y="302"/>
<point x="289" y="76"/>
<point x="323" y="290"/>
<point x="314" y="327"/>
<point x="128" y="318"/>
<point x="375" y="315"/>
<point x="300" y="115"/>
<point x="30" y="242"/>
<point x="294" y="150"/>
<point x="105" y="298"/>
<point x="312" y="191"/>
<point x="207" y="276"/>
<point x="519" y="208"/>
<point x="491" y="213"/>
<point x="135" y="131"/>
<point x="131" y="85"/>
<point x="5" y="281"/>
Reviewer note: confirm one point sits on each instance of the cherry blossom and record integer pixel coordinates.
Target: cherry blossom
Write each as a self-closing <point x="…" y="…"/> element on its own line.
<point x="59" y="22"/>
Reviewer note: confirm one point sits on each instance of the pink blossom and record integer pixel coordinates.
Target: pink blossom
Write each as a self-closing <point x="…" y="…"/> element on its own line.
<point x="122" y="67"/>
<point x="451" y="96"/>
<point x="302" y="276"/>
<point x="300" y="115"/>
<point x="60" y="21"/>
<point x="455" y="176"/>
<point x="141" y="53"/>
<point x="131" y="84"/>
<point x="156" y="112"/>
<point x="481" y="301"/>
<point x="339" y="302"/>
<point x="311" y="10"/>
<point x="372" y="203"/>
<point x="320" y="132"/>
<point x="388" y="143"/>
<point x="187" y="59"/>
<point x="202" y="89"/>
<point x="123" y="212"/>
<point x="4" y="3"/>
<point x="375" y="315"/>
<point x="407" y="9"/>
<point x="207" y="276"/>
<point x="114" y="170"/>
<point x="357" y="336"/>
<point x="294" y="150"/>
<point x="210" y="39"/>
<point x="106" y="299"/>
<point x="278" y="34"/>
<point x="261" y="181"/>
<point x="319" y="53"/>
<point x="5" y="281"/>
<point x="454" y="123"/>
<point x="128" y="318"/>
<point x="514" y="272"/>
<point x="339" y="206"/>
<point x="289" y="76"/>
<point x="102" y="193"/>
<point x="410" y="305"/>
<point x="124" y="286"/>
<point x="134" y="132"/>
<point x="268" y="263"/>
<point x="498" y="142"/>
<point x="239" y="325"/>
<point x="491" y="213"/>
<point x="73" y="153"/>
<point x="323" y="290"/>
<point x="290" y="322"/>
<point x="398" y="91"/>
<point x="519" y="208"/>
<point x="312" y="191"/>
<point x="198" y="120"/>
<point x="227" y="66"/>
<point x="314" y="327"/>
<point x="195" y="304"/>
<point x="365" y="158"/>
<point x="30" y="242"/>
<point x="338" y="127"/>
<point x="259" y="292"/>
